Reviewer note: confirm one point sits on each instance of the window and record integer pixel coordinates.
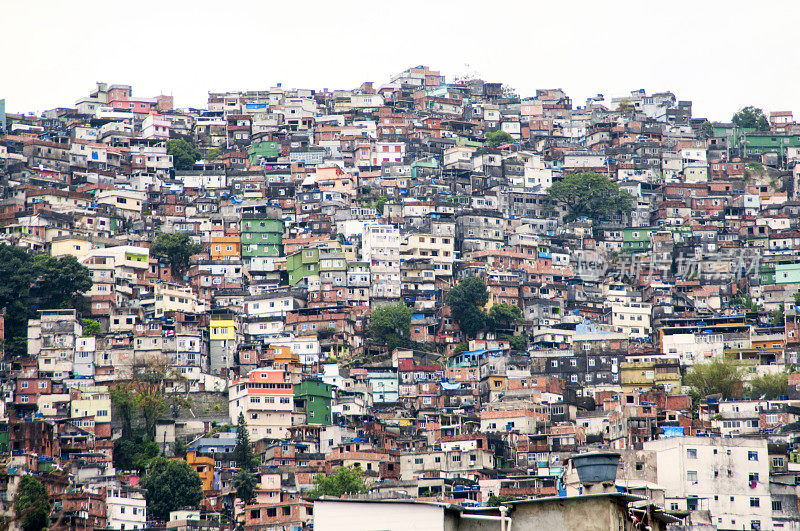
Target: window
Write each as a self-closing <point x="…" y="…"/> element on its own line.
<point x="777" y="505"/>
<point x="752" y="456"/>
<point x="691" y="453"/>
<point x="691" y="476"/>
<point x="755" y="502"/>
<point x="753" y="477"/>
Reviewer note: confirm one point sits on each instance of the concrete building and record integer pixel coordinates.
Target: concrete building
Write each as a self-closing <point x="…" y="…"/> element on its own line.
<point x="267" y="400"/>
<point x="381" y="249"/>
<point x="51" y="340"/>
<point x="727" y="476"/>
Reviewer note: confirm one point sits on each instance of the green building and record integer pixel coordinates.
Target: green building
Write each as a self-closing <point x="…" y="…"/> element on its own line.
<point x="426" y="166"/>
<point x="765" y="142"/>
<point x="263" y="150"/>
<point x="732" y="133"/>
<point x="637" y="239"/>
<point x="766" y="272"/>
<point x="304" y="263"/>
<point x="315" y="398"/>
<point x="755" y="142"/>
<point x="262" y="236"/>
<point x="385" y="387"/>
<point x="787" y="273"/>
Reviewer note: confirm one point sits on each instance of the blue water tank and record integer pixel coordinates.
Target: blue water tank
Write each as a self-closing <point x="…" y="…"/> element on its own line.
<point x="596" y="467"/>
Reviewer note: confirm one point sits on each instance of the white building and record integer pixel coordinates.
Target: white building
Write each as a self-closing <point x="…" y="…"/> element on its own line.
<point x="126" y="509"/>
<point x="51" y="340"/>
<point x="266" y="398"/>
<point x="305" y="347"/>
<point x="381" y="248"/>
<point x="727" y="476"/>
<point x="632" y="319"/>
<point x="693" y="348"/>
<point x="156" y="126"/>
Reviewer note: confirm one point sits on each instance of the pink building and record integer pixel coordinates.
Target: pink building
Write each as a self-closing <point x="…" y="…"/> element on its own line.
<point x="155" y="126"/>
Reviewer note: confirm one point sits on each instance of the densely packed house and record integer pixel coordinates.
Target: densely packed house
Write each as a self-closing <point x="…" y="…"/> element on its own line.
<point x="292" y="257"/>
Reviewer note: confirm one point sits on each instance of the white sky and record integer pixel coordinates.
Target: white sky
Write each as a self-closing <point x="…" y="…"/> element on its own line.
<point x="722" y="55"/>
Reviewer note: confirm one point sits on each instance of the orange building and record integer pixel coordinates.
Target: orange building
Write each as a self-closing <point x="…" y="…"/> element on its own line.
<point x="204" y="467"/>
<point x="226" y="247"/>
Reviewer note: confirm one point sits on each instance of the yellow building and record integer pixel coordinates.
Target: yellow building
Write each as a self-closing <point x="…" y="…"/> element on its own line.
<point x="643" y="375"/>
<point x="76" y="246"/>
<point x="283" y="358"/>
<point x="496" y="383"/>
<point x="222" y="329"/>
<point x="226" y="248"/>
<point x="91" y="401"/>
<point x="204" y="467"/>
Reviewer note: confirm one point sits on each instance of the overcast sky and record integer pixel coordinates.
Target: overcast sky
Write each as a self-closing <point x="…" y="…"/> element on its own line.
<point x="722" y="55"/>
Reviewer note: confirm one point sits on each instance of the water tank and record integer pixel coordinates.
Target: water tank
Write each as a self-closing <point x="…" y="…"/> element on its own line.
<point x="596" y="467"/>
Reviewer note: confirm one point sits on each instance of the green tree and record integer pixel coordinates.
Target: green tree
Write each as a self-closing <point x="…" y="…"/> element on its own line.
<point x="124" y="402"/>
<point x="134" y="454"/>
<point x="60" y="281"/>
<point x="152" y="407"/>
<point x="461" y="347"/>
<point x="171" y="484"/>
<point x="146" y="451"/>
<point x="769" y="386"/>
<point x="496" y="501"/>
<point x="751" y="117"/>
<point x="213" y="153"/>
<point x="714" y="377"/>
<point x="245" y="484"/>
<point x="502" y="316"/>
<point x="184" y="154"/>
<point x="746" y="301"/>
<point x="778" y="316"/>
<point x="466" y="301"/>
<point x="517" y="343"/>
<point x="390" y="324"/>
<point x="179" y="449"/>
<point x="177" y="249"/>
<point x="379" y="204"/>
<point x="138" y="405"/>
<point x="34" y="282"/>
<point x="498" y="138"/>
<point x="91" y="328"/>
<point x="625" y="107"/>
<point x="243" y="451"/>
<point x="591" y="195"/>
<point x="32" y="504"/>
<point x="343" y="480"/>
